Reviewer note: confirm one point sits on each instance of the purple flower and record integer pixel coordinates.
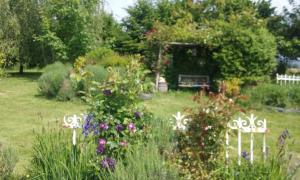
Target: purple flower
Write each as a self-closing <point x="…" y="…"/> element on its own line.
<point x="245" y="155"/>
<point x="119" y="127"/>
<point x="102" y="141"/>
<point x="100" y="149"/>
<point x="101" y="146"/>
<point x="108" y="162"/>
<point x="107" y="92"/>
<point x="131" y="127"/>
<point x="87" y="124"/>
<point x="95" y="129"/>
<point x="103" y="126"/>
<point x="137" y="115"/>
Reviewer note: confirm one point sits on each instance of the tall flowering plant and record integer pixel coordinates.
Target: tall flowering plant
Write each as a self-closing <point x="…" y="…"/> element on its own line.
<point x="116" y="120"/>
<point x="201" y="141"/>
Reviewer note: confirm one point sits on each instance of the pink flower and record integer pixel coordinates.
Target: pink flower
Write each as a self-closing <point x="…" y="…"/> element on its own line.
<point x="131" y="127"/>
<point x="123" y="143"/>
<point x="102" y="141"/>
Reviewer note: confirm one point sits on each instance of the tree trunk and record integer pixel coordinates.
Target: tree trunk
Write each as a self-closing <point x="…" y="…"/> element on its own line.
<point x="21" y="70"/>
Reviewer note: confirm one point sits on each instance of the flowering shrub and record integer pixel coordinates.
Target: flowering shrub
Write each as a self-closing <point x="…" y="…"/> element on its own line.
<point x="201" y="143"/>
<point x="115" y="120"/>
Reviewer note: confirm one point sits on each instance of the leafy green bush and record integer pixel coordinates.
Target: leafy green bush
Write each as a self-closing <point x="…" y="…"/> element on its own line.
<point x="273" y="95"/>
<point x="53" y="78"/>
<point x="8" y="160"/>
<point x="106" y="57"/>
<point x="116" y="120"/>
<point x="201" y="137"/>
<point x="55" y="157"/>
<point x="66" y="91"/>
<point x="254" y="80"/>
<point x="99" y="73"/>
<point x="93" y="73"/>
<point x="97" y="55"/>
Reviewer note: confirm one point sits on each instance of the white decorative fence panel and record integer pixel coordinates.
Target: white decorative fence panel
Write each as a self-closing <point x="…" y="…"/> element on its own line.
<point x="249" y="125"/>
<point x="287" y="79"/>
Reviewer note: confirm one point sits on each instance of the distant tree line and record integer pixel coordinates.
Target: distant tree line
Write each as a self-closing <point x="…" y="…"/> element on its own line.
<point x="39" y="32"/>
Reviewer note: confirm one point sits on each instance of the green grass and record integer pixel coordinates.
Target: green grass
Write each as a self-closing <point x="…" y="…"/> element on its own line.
<point x="23" y="110"/>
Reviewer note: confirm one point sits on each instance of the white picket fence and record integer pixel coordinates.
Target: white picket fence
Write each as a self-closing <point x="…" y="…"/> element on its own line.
<point x="250" y="125"/>
<point x="287" y="79"/>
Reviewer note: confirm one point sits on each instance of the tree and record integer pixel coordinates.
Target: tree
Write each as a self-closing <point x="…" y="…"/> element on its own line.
<point x="29" y="21"/>
<point x="9" y="34"/>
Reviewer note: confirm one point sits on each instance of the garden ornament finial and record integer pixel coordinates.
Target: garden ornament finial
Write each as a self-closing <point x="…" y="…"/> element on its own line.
<point x="72" y="122"/>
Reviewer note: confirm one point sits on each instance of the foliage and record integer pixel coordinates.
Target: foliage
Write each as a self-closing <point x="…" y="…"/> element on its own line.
<point x="54" y="157"/>
<point x="200" y="145"/>
<point x="273" y="95"/>
<point x="254" y="80"/>
<point x="94" y="73"/>
<point x="106" y="57"/>
<point x="53" y="79"/>
<point x="9" y="34"/>
<point x="8" y="160"/>
<point x="245" y="51"/>
<point x="275" y="167"/>
<point x="99" y="73"/>
<point x="66" y="91"/>
<point x="40" y="33"/>
<point x="115" y="117"/>
<point x="138" y="166"/>
<point x="91" y="67"/>
<point x="155" y="165"/>
<point x="232" y="87"/>
<point x="30" y="51"/>
<point x="2" y="65"/>
<point x="236" y="45"/>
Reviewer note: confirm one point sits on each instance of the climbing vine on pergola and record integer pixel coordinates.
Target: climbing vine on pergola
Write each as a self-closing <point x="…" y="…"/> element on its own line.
<point x="240" y="50"/>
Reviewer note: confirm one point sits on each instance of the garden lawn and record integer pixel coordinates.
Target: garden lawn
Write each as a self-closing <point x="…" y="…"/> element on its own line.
<point x="24" y="111"/>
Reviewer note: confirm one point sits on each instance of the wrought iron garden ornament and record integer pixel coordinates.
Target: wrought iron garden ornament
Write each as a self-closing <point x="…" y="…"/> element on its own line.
<point x="180" y="122"/>
<point x="72" y="122"/>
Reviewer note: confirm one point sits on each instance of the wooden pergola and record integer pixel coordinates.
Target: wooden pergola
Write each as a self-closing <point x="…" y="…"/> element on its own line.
<point x="160" y="56"/>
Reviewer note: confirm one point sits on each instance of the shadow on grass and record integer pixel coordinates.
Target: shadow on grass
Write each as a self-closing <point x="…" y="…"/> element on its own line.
<point x="32" y="76"/>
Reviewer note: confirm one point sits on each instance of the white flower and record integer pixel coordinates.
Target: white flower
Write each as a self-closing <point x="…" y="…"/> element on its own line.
<point x="206" y="110"/>
<point x="207" y="128"/>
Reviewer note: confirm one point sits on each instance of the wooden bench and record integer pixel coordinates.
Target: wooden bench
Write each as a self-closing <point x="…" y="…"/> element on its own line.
<point x="193" y="81"/>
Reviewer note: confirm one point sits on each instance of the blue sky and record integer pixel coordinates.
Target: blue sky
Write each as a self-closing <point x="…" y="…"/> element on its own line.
<point x="117" y="7"/>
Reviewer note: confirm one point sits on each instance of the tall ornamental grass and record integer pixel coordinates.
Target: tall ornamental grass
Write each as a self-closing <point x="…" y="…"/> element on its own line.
<point x="8" y="160"/>
<point x="54" y="157"/>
